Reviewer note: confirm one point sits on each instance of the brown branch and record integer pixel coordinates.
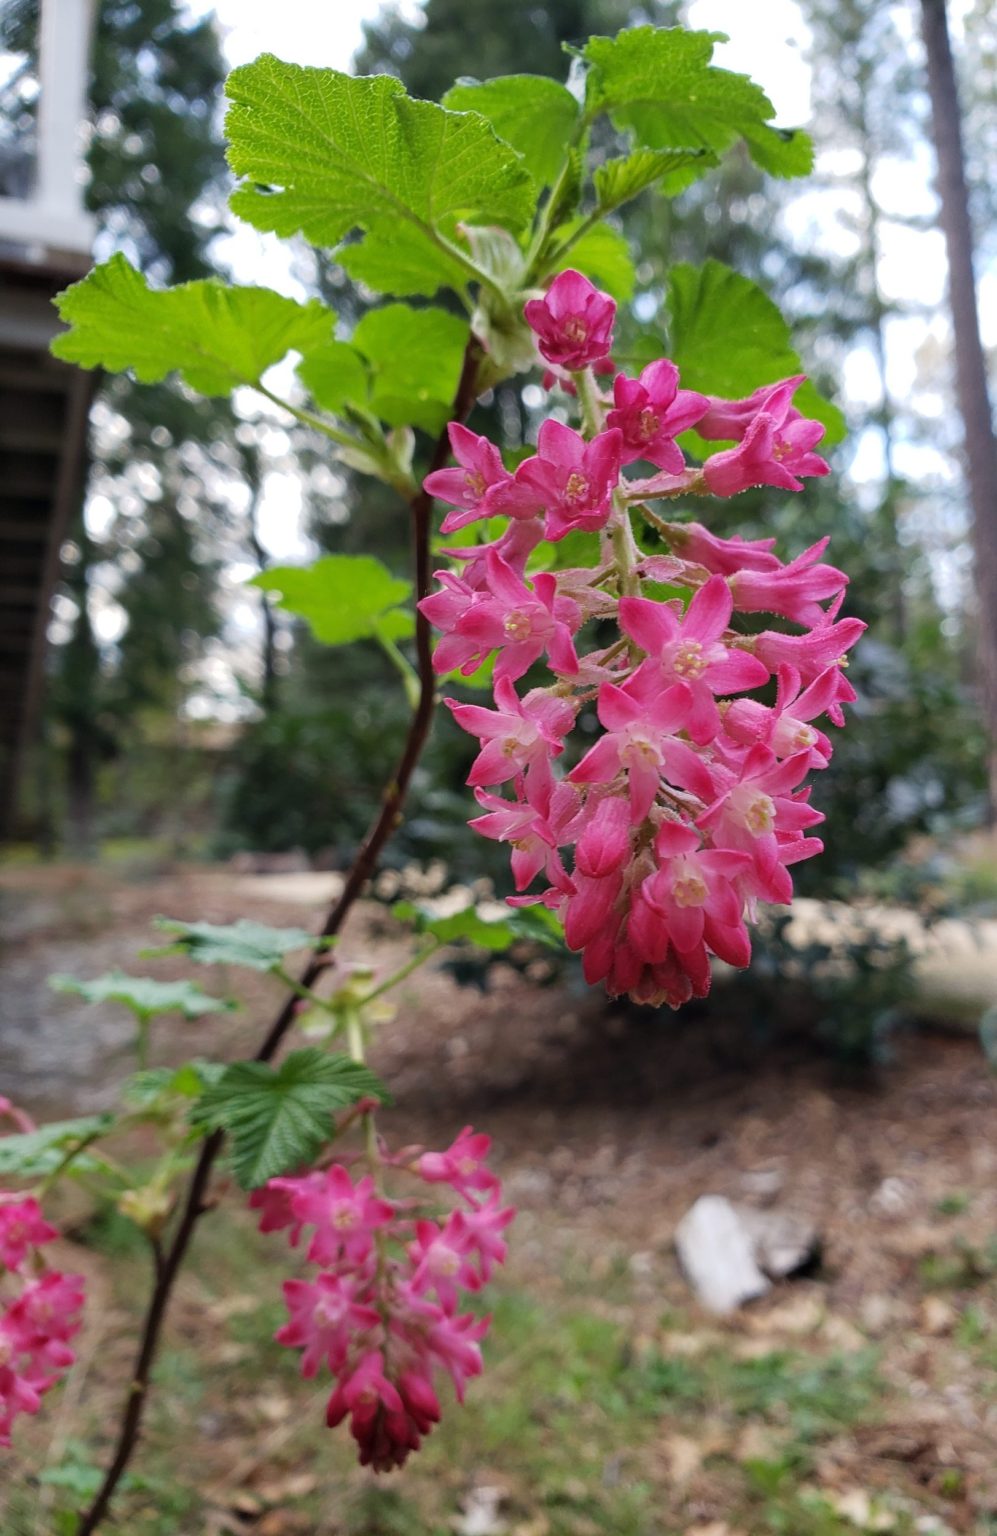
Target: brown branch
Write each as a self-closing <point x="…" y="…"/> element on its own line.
<point x="384" y="824"/>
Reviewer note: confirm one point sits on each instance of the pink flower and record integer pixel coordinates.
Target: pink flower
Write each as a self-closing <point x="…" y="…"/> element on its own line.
<point x="652" y="412"/>
<point x="345" y="1215"/>
<point x="725" y="556"/>
<point x="440" y="1261"/>
<point x="477" y="488"/>
<point x="795" y="591"/>
<point x="521" y="733"/>
<point x="481" y="1226"/>
<point x="22" y="1228"/>
<point x="823" y="646"/>
<point x="462" y="1165"/>
<point x="689" y="650"/>
<point x="324" y="1316"/>
<point x="378" y="1421"/>
<point x="730" y="419"/>
<point x="785" y="729"/>
<point x="690" y="884"/>
<point x="573" y="322"/>
<point x="506" y="616"/>
<point x="758" y="812"/>
<point x="533" y="827"/>
<point x="771" y="453"/>
<point x="572" y="481"/>
<point x="639" y="741"/>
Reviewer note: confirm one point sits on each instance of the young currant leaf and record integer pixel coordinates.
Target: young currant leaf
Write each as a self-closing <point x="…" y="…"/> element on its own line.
<point x="603" y="254"/>
<point x="472" y="927"/>
<point x="658" y="83"/>
<point x="415" y="357"/>
<point x="144" y="1089"/>
<point x="342" y="598"/>
<point x="335" y="375"/>
<point x="330" y="154"/>
<point x="241" y="943"/>
<point x="728" y="338"/>
<point x="279" y="1117"/>
<point x="536" y="115"/>
<point x="143" y="995"/>
<point x="215" y="336"/>
<point x="618" y="181"/>
<point x="34" y="1154"/>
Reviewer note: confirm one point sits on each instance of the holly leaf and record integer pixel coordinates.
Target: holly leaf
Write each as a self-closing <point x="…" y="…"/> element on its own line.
<point x="416" y="357"/>
<point x="33" y="1154"/>
<point x="728" y="338"/>
<point x="335" y="375"/>
<point x="279" y="1117"/>
<point x="603" y="254"/>
<point x="253" y="945"/>
<point x="471" y="926"/>
<point x="214" y="335"/>
<point x="331" y="154"/>
<point x="144" y="996"/>
<point x="658" y="83"/>
<point x="342" y="598"/>
<point x="619" y="181"/>
<point x="536" y="115"/>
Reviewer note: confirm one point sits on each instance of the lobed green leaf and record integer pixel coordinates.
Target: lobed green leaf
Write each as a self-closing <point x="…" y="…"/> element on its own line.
<point x="335" y="375"/>
<point x="728" y="338"/>
<point x="214" y="335"/>
<point x="280" y="1117"/>
<point x="244" y="942"/>
<point x="618" y="181"/>
<point x="536" y="115"/>
<point x="415" y="357"/>
<point x="603" y="254"/>
<point x="143" y="995"/>
<point x="325" y="154"/>
<point x="658" y="83"/>
<point x="342" y="598"/>
<point x="492" y="933"/>
<point x="33" y="1154"/>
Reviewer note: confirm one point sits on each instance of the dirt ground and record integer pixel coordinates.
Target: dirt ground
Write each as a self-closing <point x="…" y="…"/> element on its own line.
<point x="607" y="1126"/>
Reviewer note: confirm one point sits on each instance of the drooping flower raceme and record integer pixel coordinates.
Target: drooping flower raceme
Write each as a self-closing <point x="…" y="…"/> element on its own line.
<point x="382" y="1312"/>
<point x="691" y="805"/>
<point x="39" y="1311"/>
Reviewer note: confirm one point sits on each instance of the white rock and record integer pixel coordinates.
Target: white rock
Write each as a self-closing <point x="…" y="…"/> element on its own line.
<point x="717" y="1254"/>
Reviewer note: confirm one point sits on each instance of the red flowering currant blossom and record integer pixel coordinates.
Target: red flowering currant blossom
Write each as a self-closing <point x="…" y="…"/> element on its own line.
<point x="690" y="805"/>
<point x="382" y="1315"/>
<point x="573" y="323"/>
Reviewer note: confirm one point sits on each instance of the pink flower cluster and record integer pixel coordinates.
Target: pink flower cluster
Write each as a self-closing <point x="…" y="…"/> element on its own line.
<point x="39" y="1311"/>
<point x="690" y="807"/>
<point x="382" y="1313"/>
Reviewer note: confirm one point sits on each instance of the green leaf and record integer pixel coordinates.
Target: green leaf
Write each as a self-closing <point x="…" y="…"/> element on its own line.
<point x="190" y="1081"/>
<point x="728" y="338"/>
<point x="342" y="598"/>
<point x="536" y="115"/>
<point x="491" y="933"/>
<point x="279" y="1118"/>
<point x="658" y="83"/>
<point x="331" y="154"/>
<point x="620" y="180"/>
<point x="603" y="255"/>
<point x="416" y="357"/>
<point x="240" y="943"/>
<point x="215" y="336"/>
<point x="33" y="1154"/>
<point x="144" y="996"/>
<point x="334" y="375"/>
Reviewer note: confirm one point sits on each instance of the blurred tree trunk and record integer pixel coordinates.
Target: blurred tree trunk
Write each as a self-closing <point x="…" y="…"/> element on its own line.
<point x="980" y="445"/>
